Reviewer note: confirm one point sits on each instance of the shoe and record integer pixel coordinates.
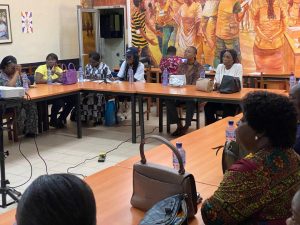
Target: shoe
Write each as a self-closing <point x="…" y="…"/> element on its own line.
<point x="52" y="123"/>
<point x="60" y="124"/>
<point x="183" y="131"/>
<point x="177" y="131"/>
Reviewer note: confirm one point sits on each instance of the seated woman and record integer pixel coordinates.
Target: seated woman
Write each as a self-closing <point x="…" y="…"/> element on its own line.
<point x="60" y="199"/>
<point x="27" y="116"/>
<point x="92" y="104"/>
<point x="171" y="62"/>
<point x="229" y="66"/>
<point x="258" y="189"/>
<point x="66" y="103"/>
<point x="295" y="218"/>
<point x="191" y="69"/>
<point x="132" y="61"/>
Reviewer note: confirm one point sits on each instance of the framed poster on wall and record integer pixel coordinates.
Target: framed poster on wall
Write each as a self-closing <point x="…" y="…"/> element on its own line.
<point x="5" y="27"/>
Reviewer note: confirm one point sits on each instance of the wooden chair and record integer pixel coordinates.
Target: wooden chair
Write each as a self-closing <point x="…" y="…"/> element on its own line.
<point x="10" y="121"/>
<point x="273" y="81"/>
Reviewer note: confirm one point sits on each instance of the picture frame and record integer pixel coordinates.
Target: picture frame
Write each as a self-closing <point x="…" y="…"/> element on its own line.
<point x="5" y="25"/>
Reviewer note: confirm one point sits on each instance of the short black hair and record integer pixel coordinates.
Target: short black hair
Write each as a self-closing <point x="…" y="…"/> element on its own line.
<point x="52" y="56"/>
<point x="195" y="49"/>
<point x="232" y="52"/>
<point x="95" y="56"/>
<point x="171" y="50"/>
<point x="137" y="2"/>
<point x="7" y="60"/>
<point x="60" y="199"/>
<point x="273" y="115"/>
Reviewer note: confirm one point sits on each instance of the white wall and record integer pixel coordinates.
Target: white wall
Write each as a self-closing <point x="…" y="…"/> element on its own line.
<point x="54" y="30"/>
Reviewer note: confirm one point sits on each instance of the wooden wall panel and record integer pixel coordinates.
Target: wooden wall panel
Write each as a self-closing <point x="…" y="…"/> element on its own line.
<point x="109" y="2"/>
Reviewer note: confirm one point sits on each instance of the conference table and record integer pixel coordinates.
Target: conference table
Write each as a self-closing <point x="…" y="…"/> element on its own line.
<point x="112" y="187"/>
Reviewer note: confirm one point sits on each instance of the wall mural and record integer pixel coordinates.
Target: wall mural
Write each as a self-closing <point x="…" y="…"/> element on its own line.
<point x="265" y="33"/>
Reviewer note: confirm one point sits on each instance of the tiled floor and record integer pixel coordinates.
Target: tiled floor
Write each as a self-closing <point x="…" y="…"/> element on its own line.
<point x="61" y="150"/>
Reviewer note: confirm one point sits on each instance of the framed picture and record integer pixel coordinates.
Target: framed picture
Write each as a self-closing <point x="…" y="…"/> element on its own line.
<point x="5" y="27"/>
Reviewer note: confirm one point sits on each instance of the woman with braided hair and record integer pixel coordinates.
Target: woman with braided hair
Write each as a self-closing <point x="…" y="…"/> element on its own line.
<point x="269" y="18"/>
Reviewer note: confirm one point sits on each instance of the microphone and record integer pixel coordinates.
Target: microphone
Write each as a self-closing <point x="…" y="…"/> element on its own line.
<point x="105" y="75"/>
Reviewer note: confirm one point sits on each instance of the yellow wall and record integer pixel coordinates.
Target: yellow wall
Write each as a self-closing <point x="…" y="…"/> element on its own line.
<point x="54" y="30"/>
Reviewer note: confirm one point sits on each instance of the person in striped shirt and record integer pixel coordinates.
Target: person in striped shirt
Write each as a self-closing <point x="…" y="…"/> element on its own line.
<point x="138" y="31"/>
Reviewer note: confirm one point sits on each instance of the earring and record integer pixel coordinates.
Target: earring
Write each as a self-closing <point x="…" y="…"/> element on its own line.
<point x="255" y="138"/>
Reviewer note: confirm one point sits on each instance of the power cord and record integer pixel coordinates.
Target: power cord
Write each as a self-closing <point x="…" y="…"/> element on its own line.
<point x="102" y="156"/>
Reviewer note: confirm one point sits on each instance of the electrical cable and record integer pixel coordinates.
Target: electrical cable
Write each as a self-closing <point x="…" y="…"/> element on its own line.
<point x="213" y="185"/>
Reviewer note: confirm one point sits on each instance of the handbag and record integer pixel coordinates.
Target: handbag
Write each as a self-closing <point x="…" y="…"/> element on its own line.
<point x="110" y="113"/>
<point x="230" y="85"/>
<point x="204" y="84"/>
<point x="153" y="182"/>
<point x="232" y="152"/>
<point x="169" y="211"/>
<point x="69" y="76"/>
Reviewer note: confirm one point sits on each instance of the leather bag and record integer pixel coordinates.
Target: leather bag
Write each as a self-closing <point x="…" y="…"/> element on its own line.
<point x="69" y="76"/>
<point x="230" y="85"/>
<point x="232" y="152"/>
<point x="204" y="84"/>
<point x="169" y="211"/>
<point x="153" y="182"/>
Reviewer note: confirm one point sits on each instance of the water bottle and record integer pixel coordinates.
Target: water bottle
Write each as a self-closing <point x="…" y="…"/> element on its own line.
<point x="165" y="77"/>
<point x="202" y="73"/>
<point x="130" y="75"/>
<point x="182" y="154"/>
<point x="25" y="81"/>
<point x="292" y="80"/>
<point x="81" y="74"/>
<point x="230" y="131"/>
<point x="49" y="76"/>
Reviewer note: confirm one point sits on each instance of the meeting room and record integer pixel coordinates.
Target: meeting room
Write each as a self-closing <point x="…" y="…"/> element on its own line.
<point x="127" y="112"/>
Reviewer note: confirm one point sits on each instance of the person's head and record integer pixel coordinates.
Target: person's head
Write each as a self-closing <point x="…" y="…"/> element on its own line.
<point x="295" y="219"/>
<point x="295" y="98"/>
<point x="51" y="60"/>
<point x="132" y="56"/>
<point x="60" y="199"/>
<point x="171" y="51"/>
<point x="139" y="4"/>
<point x="9" y="65"/>
<point x="94" y="59"/>
<point x="190" y="53"/>
<point x="229" y="57"/>
<point x="269" y="121"/>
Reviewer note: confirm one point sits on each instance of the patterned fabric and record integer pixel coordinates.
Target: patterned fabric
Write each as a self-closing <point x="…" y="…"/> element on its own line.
<point x="137" y="23"/>
<point x="170" y="63"/>
<point x="27" y="114"/>
<point x="192" y="74"/>
<point x="92" y="107"/>
<point x="97" y="73"/>
<point x="256" y="190"/>
<point x="297" y="144"/>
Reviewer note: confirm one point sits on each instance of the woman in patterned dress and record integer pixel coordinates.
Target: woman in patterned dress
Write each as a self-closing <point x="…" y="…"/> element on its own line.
<point x="258" y="189"/>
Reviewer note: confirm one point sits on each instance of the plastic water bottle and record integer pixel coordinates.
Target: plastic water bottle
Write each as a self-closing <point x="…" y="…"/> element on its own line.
<point x="25" y="81"/>
<point x="182" y="154"/>
<point x="202" y="73"/>
<point x="81" y="74"/>
<point x="165" y="77"/>
<point x="230" y="131"/>
<point x="292" y="80"/>
<point x="49" y="76"/>
<point x="130" y="75"/>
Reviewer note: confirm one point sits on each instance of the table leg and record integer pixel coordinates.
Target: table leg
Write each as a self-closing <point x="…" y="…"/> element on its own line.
<point x="160" y="115"/>
<point x="141" y="115"/>
<point x="133" y="118"/>
<point x="79" y="125"/>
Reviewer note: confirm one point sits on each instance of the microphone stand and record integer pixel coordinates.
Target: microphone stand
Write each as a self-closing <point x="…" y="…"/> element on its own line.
<point x="105" y="77"/>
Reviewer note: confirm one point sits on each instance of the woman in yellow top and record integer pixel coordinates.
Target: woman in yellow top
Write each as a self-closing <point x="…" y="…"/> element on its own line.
<point x="67" y="103"/>
<point x="269" y="24"/>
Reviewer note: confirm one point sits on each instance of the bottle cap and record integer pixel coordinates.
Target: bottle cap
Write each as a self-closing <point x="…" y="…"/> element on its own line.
<point x="178" y="144"/>
<point x="230" y="122"/>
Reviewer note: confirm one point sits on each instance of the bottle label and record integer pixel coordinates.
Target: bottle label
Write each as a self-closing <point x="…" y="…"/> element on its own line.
<point x="230" y="135"/>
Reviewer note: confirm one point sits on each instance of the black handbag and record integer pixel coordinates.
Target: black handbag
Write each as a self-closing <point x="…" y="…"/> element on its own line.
<point x="232" y="152"/>
<point x="169" y="211"/>
<point x="230" y="85"/>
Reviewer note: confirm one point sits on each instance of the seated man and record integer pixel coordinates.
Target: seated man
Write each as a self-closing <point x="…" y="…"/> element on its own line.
<point x="295" y="98"/>
<point x="67" y="103"/>
<point x="191" y="69"/>
<point x="171" y="62"/>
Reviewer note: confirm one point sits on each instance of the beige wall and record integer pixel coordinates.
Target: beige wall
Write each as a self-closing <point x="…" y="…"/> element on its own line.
<point x="54" y="30"/>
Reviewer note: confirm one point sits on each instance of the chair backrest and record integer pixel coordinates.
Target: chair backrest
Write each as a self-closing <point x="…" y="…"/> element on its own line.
<point x="274" y="81"/>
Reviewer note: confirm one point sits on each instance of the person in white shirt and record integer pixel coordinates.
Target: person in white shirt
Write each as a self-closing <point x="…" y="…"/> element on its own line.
<point x="132" y="60"/>
<point x="229" y="66"/>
